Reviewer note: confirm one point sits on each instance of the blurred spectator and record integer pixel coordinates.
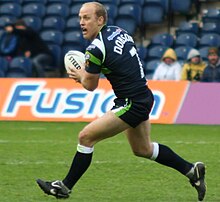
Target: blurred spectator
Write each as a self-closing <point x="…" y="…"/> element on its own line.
<point x="8" y="42"/>
<point x="169" y="68"/>
<point x="193" y="69"/>
<point x="212" y="70"/>
<point x="30" y="44"/>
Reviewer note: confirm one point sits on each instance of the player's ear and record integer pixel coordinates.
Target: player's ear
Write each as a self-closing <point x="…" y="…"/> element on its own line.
<point x="100" y="20"/>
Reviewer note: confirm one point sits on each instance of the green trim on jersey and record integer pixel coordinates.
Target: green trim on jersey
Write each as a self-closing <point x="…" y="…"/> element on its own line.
<point x="105" y="70"/>
<point x="124" y="109"/>
<point x="94" y="59"/>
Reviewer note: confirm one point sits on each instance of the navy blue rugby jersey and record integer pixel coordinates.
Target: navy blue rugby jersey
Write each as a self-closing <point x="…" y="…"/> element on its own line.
<point x="114" y="54"/>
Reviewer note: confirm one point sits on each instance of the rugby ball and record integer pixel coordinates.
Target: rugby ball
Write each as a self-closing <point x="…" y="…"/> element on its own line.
<point x="74" y="60"/>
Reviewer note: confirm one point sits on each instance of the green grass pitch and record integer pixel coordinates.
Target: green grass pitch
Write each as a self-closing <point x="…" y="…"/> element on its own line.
<point x="31" y="150"/>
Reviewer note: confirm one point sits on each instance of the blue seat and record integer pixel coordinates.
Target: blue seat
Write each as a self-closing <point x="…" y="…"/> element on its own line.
<point x="74" y="38"/>
<point x="153" y="12"/>
<point x="129" y="17"/>
<point x="211" y="15"/>
<point x="181" y="6"/>
<point x="210" y="28"/>
<point x="186" y="27"/>
<point x="151" y="66"/>
<point x="177" y="6"/>
<point x="34" y="22"/>
<point x="156" y="52"/>
<point x="24" y="2"/>
<point x="112" y="10"/>
<point x="115" y="2"/>
<point x="67" y="2"/>
<point x="188" y="39"/>
<point x="56" y="52"/>
<point x="137" y="2"/>
<point x="210" y="40"/>
<point x="6" y="19"/>
<point x="204" y="52"/>
<point x="11" y="1"/>
<point x="52" y="36"/>
<point x="36" y="9"/>
<point x="3" y="66"/>
<point x="73" y="23"/>
<point x="54" y="22"/>
<point x="182" y="52"/>
<point x="164" y="39"/>
<point x="12" y="9"/>
<point x="20" y="67"/>
<point x="74" y="9"/>
<point x="58" y="9"/>
<point x="142" y="52"/>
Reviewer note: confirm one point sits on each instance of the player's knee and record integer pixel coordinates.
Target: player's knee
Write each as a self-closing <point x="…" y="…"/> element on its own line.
<point x="84" y="138"/>
<point x="146" y="152"/>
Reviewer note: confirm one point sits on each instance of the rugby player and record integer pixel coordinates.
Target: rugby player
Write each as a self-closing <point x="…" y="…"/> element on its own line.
<point x="112" y="52"/>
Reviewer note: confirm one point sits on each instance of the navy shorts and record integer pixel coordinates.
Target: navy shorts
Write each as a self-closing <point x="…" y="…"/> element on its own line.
<point x="133" y="111"/>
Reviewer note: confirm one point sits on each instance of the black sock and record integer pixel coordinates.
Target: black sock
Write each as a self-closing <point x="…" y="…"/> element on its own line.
<point x="167" y="157"/>
<point x="79" y="166"/>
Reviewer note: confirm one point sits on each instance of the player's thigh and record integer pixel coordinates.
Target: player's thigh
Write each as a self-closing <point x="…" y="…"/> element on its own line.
<point x="104" y="127"/>
<point x="139" y="139"/>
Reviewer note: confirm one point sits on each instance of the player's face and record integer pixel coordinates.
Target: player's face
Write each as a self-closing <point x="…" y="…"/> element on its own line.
<point x="90" y="23"/>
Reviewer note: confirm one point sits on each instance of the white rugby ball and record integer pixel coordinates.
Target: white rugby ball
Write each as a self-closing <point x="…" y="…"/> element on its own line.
<point x="74" y="59"/>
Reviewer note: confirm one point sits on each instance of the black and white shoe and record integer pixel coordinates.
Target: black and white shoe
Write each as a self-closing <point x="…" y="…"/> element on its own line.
<point x="198" y="180"/>
<point x="54" y="188"/>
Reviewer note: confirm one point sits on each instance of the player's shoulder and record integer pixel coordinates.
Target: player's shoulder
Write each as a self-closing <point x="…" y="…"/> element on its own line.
<point x="110" y="32"/>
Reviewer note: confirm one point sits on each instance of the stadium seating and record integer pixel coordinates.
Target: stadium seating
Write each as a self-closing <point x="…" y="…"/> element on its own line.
<point x="57" y="9"/>
<point x="74" y="38"/>
<point x="73" y="23"/>
<point x="150" y="68"/>
<point x="36" y="9"/>
<point x="137" y="2"/>
<point x="112" y="10"/>
<point x="181" y="6"/>
<point x="156" y="52"/>
<point x="3" y="66"/>
<point x="204" y="52"/>
<point x="56" y="52"/>
<point x="52" y="36"/>
<point x="153" y="12"/>
<point x="34" y="22"/>
<point x="54" y="22"/>
<point x="182" y="52"/>
<point x="186" y="27"/>
<point x="163" y="39"/>
<point x="33" y="1"/>
<point x="74" y="9"/>
<point x="211" y="15"/>
<point x="142" y="52"/>
<point x="210" y="40"/>
<point x="6" y="19"/>
<point x="20" y="67"/>
<point x="67" y="2"/>
<point x="188" y="39"/>
<point x="115" y="2"/>
<point x="210" y="28"/>
<point x="129" y="17"/>
<point x="11" y="9"/>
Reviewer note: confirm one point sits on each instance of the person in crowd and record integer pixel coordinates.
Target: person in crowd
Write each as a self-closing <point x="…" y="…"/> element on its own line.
<point x="193" y="69"/>
<point x="212" y="70"/>
<point x="31" y="45"/>
<point x="8" y="43"/>
<point x="169" y="68"/>
<point x="113" y="52"/>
